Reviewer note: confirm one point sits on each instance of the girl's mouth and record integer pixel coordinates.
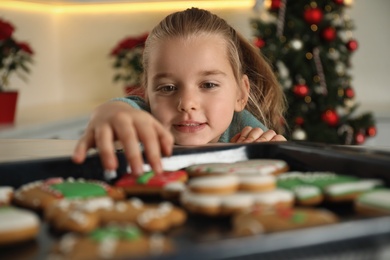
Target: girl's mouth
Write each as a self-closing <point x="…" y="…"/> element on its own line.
<point x="189" y="127"/>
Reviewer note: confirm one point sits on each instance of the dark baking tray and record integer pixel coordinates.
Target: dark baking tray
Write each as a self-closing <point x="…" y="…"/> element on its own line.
<point x="211" y="238"/>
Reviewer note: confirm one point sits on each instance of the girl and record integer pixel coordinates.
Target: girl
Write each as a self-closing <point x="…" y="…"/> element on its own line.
<point x="203" y="83"/>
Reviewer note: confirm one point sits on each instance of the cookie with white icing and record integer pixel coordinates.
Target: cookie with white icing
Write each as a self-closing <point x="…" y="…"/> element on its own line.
<point x="17" y="225"/>
<point x="253" y="166"/>
<point x="373" y="203"/>
<point x="259" y="220"/>
<point x="6" y="194"/>
<point x="231" y="183"/>
<point x="40" y="194"/>
<point x="111" y="242"/>
<point x="228" y="204"/>
<point x="85" y="215"/>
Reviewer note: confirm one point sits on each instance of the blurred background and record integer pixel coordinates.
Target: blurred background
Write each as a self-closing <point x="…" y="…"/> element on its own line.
<point x="73" y="71"/>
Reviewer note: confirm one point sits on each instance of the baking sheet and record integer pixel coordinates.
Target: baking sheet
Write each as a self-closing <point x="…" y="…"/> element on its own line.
<point x="211" y="238"/>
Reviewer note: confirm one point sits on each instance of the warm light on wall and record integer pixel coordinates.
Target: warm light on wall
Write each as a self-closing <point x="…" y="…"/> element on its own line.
<point x="124" y="7"/>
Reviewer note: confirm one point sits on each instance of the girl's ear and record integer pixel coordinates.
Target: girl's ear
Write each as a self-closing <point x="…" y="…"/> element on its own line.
<point x="243" y="95"/>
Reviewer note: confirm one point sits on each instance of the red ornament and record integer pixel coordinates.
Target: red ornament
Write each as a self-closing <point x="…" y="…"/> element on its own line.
<point x="313" y="15"/>
<point x="301" y="90"/>
<point x="352" y="45"/>
<point x="339" y="2"/>
<point x="276" y="4"/>
<point x="371" y="131"/>
<point x="349" y="92"/>
<point x="259" y="42"/>
<point x="330" y="117"/>
<point x="299" y="120"/>
<point x="329" y="34"/>
<point x="360" y="138"/>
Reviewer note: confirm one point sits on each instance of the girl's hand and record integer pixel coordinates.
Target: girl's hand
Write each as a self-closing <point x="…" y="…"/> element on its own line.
<point x="255" y="135"/>
<point x="119" y="121"/>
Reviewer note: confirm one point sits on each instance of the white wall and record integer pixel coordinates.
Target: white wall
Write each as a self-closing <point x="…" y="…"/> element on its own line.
<point x="72" y="63"/>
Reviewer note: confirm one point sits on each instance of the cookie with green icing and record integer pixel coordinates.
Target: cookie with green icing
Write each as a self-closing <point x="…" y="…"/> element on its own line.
<point x="111" y="242"/>
<point x="333" y="187"/>
<point x="374" y="203"/>
<point x="40" y="194"/>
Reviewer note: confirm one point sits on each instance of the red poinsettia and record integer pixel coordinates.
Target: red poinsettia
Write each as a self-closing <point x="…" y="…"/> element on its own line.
<point x="128" y="60"/>
<point x="14" y="55"/>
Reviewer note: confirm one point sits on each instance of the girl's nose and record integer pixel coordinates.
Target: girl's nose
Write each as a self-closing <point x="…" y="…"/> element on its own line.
<point x="187" y="102"/>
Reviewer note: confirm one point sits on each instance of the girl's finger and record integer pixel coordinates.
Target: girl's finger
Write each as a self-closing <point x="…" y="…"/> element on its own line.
<point x="244" y="133"/>
<point x="104" y="139"/>
<point x="266" y="136"/>
<point x="254" y="134"/>
<point x="235" y="138"/>
<point x="82" y="146"/>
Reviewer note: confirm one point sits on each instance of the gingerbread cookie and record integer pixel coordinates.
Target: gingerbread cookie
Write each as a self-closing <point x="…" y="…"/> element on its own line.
<point x="17" y="225"/>
<point x="40" y="194"/>
<point x="311" y="187"/>
<point x="258" y="220"/>
<point x="230" y="183"/>
<point x="85" y="215"/>
<point x="374" y="202"/>
<point x="149" y="183"/>
<point x="254" y="166"/>
<point x="111" y="242"/>
<point x="228" y="204"/>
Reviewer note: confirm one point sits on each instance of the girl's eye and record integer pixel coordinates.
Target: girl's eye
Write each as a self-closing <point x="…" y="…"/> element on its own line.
<point x="209" y="85"/>
<point x="166" y="88"/>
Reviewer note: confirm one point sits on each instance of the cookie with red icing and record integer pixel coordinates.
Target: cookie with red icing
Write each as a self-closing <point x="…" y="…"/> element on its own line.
<point x="260" y="220"/>
<point x="40" y="194"/>
<point x="86" y="215"/>
<point x="111" y="242"/>
<point x="149" y="183"/>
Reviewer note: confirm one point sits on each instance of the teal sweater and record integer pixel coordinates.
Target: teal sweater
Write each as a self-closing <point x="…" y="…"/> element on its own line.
<point x="240" y="119"/>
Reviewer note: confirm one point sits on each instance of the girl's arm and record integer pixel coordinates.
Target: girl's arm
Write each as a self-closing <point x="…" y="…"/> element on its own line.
<point x="117" y="121"/>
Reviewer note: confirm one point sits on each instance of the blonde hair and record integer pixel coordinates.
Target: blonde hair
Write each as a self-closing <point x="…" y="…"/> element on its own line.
<point x="266" y="99"/>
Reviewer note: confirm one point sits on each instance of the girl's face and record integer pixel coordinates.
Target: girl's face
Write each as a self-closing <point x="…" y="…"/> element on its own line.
<point x="191" y="88"/>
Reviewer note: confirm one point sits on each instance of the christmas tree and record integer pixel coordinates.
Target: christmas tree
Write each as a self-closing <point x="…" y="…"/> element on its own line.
<point x="309" y="44"/>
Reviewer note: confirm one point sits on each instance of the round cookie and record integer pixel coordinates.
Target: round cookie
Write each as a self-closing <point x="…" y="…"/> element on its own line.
<point x="149" y="183"/>
<point x="254" y="166"/>
<point x="17" y="225"/>
<point x="40" y="194"/>
<point x="111" y="242"/>
<point x="374" y="203"/>
<point x="228" y="204"/>
<point x="258" y="221"/>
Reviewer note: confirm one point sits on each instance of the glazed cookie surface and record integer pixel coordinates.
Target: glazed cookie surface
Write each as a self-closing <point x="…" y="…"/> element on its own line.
<point x="17" y="225"/>
<point x="6" y="194"/>
<point x="111" y="242"/>
<point x="40" y="194"/>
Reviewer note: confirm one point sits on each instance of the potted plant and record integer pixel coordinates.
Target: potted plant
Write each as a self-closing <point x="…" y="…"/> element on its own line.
<point x="127" y="56"/>
<point x="14" y="58"/>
